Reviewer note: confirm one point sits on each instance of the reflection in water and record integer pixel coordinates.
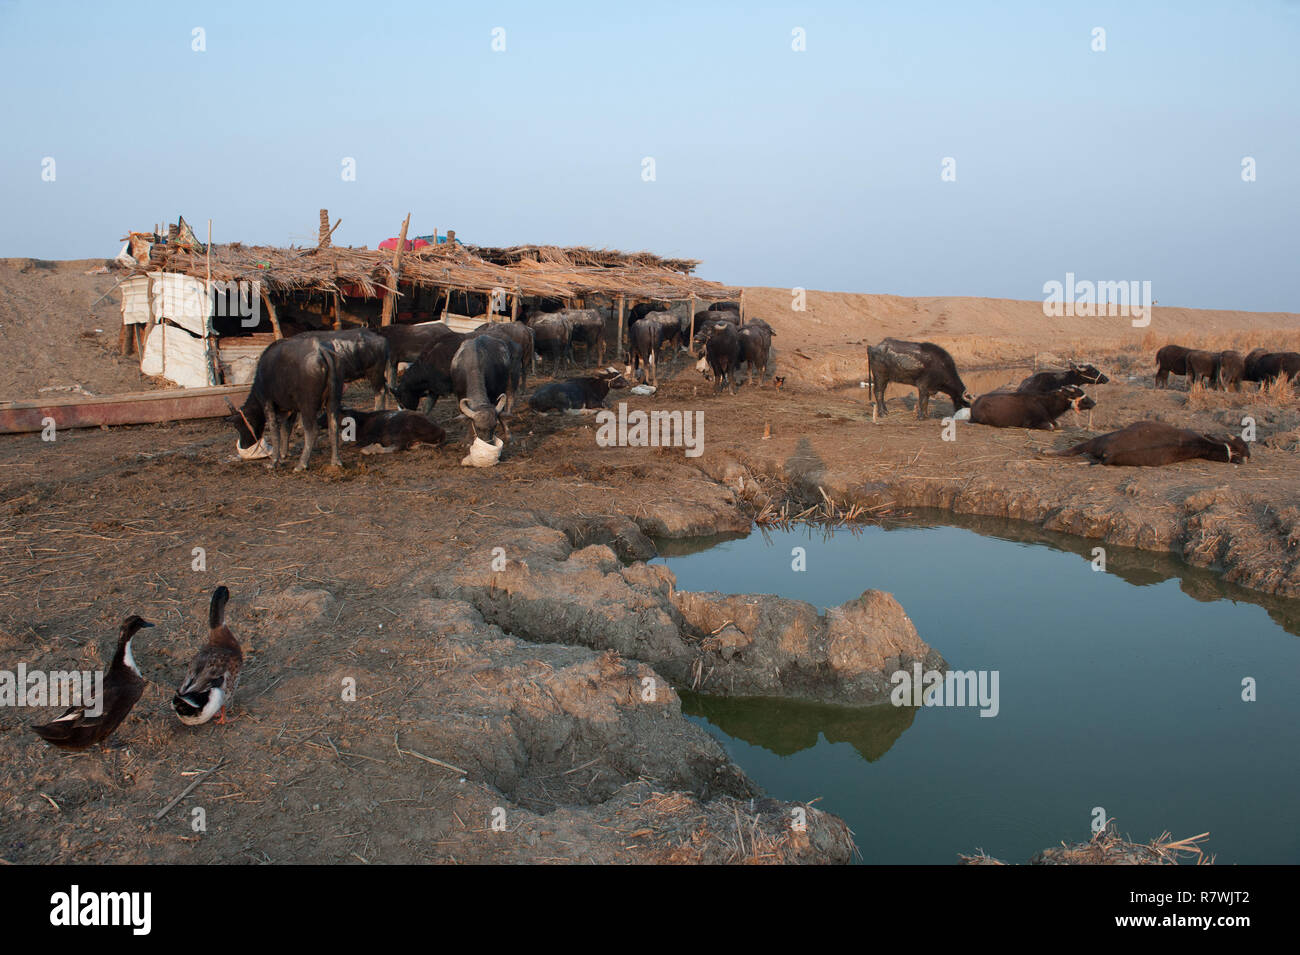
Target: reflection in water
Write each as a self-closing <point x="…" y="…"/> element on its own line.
<point x="1116" y="690"/>
<point x="785" y="727"/>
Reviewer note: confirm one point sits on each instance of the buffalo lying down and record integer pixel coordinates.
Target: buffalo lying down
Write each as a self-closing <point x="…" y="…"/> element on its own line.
<point x="575" y="394"/>
<point x="390" y="430"/>
<point x="1046" y="381"/>
<point x="923" y="364"/>
<point x="1018" y="409"/>
<point x="1152" y="443"/>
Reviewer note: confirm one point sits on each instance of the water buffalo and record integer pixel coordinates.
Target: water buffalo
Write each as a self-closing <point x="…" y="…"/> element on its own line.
<point x="1170" y="360"/>
<point x="1046" y="381"/>
<point x="390" y="430"/>
<point x="362" y="354"/>
<point x="1153" y="443"/>
<point x="574" y="394"/>
<point x="407" y="342"/>
<point x="725" y="307"/>
<point x="724" y="352"/>
<point x="1232" y="367"/>
<point x="430" y="374"/>
<point x="1270" y="365"/>
<point x="296" y="376"/>
<point x="1201" y="366"/>
<point x="1020" y="409"/>
<point x="483" y="376"/>
<point x="923" y="364"/>
<point x="588" y="330"/>
<point x="648" y="336"/>
<point x="516" y="332"/>
<point x="552" y="338"/>
<point x="755" y="347"/>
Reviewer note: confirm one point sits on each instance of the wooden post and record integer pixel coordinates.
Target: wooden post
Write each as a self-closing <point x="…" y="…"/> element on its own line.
<point x="690" y="346"/>
<point x="446" y="302"/>
<point x="514" y="305"/>
<point x="214" y="363"/>
<point x="619" y="343"/>
<point x="270" y="313"/>
<point x="742" y="306"/>
<point x="390" y="300"/>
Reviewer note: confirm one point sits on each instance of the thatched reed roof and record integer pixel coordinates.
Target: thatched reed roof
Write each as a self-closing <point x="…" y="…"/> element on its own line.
<point x="531" y="271"/>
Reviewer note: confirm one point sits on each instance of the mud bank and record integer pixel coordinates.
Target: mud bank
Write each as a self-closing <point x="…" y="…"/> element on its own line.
<point x="541" y="588"/>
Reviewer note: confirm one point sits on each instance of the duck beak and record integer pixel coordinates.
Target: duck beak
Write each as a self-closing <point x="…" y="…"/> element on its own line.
<point x="145" y="623"/>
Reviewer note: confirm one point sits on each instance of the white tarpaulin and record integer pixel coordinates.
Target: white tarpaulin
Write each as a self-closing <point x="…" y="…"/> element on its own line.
<point x="182" y="300"/>
<point x="135" y="301"/>
<point x="186" y="359"/>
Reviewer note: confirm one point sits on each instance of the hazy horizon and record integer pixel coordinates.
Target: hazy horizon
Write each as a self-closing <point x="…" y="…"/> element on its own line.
<point x="818" y="168"/>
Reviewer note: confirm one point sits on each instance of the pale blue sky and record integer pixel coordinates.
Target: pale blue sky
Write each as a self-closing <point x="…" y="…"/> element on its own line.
<point x="819" y="168"/>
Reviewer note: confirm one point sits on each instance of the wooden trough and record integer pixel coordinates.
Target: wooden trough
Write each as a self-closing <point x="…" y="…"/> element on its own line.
<point x="147" y="407"/>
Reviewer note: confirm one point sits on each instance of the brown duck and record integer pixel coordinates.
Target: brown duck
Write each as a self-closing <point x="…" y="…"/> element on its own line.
<point x="123" y="684"/>
<point x="214" y="673"/>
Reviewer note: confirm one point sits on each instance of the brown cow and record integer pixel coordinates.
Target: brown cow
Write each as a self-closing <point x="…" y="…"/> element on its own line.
<point x="1153" y="443"/>
<point x="1201" y="366"/>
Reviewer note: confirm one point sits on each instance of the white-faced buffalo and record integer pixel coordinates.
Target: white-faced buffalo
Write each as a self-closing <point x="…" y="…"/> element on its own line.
<point x="575" y="394"/>
<point x="1263" y="366"/>
<point x="755" y="347"/>
<point x="552" y="338"/>
<point x="1153" y="443"/>
<point x="361" y="354"/>
<point x="295" y="376"/>
<point x="1023" y="409"/>
<point x="724" y="352"/>
<point x="389" y="431"/>
<point x="922" y="364"/>
<point x="1170" y="360"/>
<point x="429" y="376"/>
<point x="1046" y="381"/>
<point x="516" y="332"/>
<point x="484" y="374"/>
<point x="653" y="332"/>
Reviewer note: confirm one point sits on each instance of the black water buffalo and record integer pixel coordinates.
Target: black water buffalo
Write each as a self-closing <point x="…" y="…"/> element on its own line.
<point x="1022" y="409"/>
<point x="1153" y="443"/>
<point x="362" y="354"/>
<point x="516" y="332"/>
<point x="710" y="315"/>
<point x="574" y="394"/>
<point x="588" y="330"/>
<point x="1201" y="365"/>
<point x="552" y="338"/>
<point x="483" y="376"/>
<point x="723" y="351"/>
<point x="725" y="307"/>
<point x="407" y="342"/>
<point x="1269" y="365"/>
<point x="648" y="336"/>
<point x="1232" y="367"/>
<point x="923" y="364"/>
<point x="755" y="347"/>
<point x="759" y="323"/>
<point x="1046" y="381"/>
<point x="389" y="430"/>
<point x="430" y="374"/>
<point x="1170" y="360"/>
<point x="296" y="376"/>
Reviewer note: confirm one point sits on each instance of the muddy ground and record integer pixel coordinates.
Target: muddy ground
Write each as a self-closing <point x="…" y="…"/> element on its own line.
<point x="475" y="701"/>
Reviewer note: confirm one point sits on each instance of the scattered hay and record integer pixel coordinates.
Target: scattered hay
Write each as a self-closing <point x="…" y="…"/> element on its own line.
<point x="1108" y="847"/>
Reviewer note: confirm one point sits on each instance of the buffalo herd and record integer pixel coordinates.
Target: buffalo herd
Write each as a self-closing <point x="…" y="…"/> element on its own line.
<point x="301" y="379"/>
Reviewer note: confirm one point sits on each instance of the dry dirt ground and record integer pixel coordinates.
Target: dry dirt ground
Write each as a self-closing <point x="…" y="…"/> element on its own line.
<point x="457" y="725"/>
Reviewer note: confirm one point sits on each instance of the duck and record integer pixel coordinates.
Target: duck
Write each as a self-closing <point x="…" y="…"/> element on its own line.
<point x="214" y="672"/>
<point x="123" y="685"/>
